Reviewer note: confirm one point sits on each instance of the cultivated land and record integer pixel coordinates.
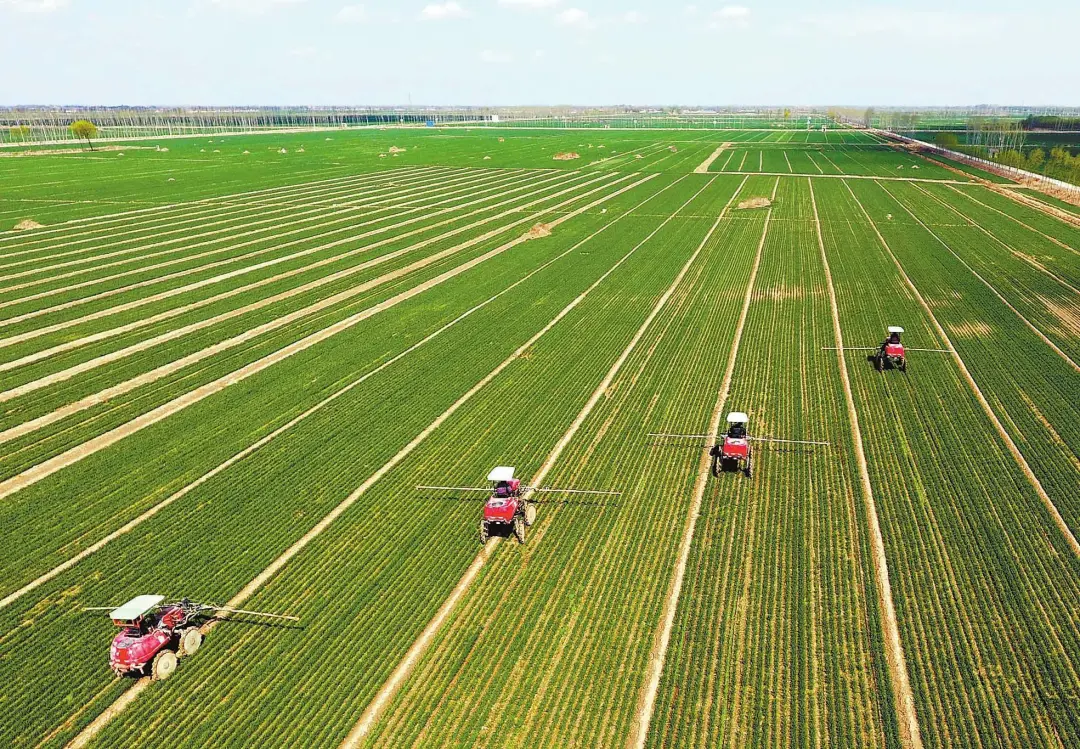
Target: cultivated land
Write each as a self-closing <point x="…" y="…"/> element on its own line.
<point x="224" y="368"/>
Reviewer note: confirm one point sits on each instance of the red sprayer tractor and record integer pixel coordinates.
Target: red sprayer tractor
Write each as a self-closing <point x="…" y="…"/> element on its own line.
<point x="891" y="353"/>
<point x="734" y="452"/>
<point x="510" y="504"/>
<point x="153" y="635"/>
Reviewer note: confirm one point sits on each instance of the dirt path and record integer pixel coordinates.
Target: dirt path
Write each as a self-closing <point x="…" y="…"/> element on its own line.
<point x="703" y="167"/>
<point x="647" y="701"/>
<point x="265" y="264"/>
<point x="1070" y="539"/>
<point x="376" y="707"/>
<point x="986" y="283"/>
<point x="151" y="512"/>
<point x="52" y="465"/>
<point x="349" y="214"/>
<point x="1049" y="210"/>
<point x="1027" y="226"/>
<point x="316" y="283"/>
<point x="208" y="218"/>
<point x="903" y="697"/>
<point x="252" y="587"/>
<point x="1033" y="262"/>
<point x="176" y="365"/>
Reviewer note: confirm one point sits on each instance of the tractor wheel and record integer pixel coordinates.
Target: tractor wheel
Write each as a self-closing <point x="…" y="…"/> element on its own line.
<point x="163" y="666"/>
<point x="530" y="514"/>
<point x="879" y="362"/>
<point x="749" y="467"/>
<point x="190" y="641"/>
<point x="483" y="532"/>
<point x="519" y="529"/>
<point x="903" y="364"/>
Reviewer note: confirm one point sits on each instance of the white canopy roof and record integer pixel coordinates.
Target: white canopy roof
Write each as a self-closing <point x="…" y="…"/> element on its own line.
<point x="135" y="608"/>
<point x="501" y="473"/>
<point x="895" y="329"/>
<point x="737" y="417"/>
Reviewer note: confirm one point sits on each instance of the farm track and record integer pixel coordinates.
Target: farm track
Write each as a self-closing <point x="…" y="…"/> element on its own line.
<point x="1028" y="395"/>
<point x="979" y="572"/>
<point x="48" y="467"/>
<point x="496" y="669"/>
<point x="551" y="353"/>
<point x="294" y="291"/>
<point x="292" y="489"/>
<point x="433" y="361"/>
<point x="62" y="288"/>
<point x="761" y="654"/>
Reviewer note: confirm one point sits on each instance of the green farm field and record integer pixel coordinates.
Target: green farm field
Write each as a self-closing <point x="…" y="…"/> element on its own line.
<point x="227" y="363"/>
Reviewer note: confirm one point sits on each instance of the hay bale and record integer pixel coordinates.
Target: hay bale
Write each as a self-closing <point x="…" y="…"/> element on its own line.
<point x="395" y="149"/>
<point x="487" y="158"/>
<point x="27" y="225"/>
<point x="282" y="150"/>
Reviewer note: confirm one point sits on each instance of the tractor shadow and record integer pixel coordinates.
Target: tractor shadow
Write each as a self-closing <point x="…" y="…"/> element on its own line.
<point x="886" y="365"/>
<point x="235" y="622"/>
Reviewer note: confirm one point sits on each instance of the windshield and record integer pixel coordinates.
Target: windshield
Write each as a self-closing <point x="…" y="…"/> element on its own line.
<point x="502" y="489"/>
<point x="738" y="431"/>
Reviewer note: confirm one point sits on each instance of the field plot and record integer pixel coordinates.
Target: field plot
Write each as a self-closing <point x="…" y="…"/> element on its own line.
<point x="227" y="363"/>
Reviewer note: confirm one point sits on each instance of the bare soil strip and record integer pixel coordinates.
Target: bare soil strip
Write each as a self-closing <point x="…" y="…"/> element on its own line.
<point x="703" y="167"/>
<point x="986" y="283"/>
<point x="903" y="697"/>
<point x="1049" y="210"/>
<point x="349" y="215"/>
<point x="47" y="468"/>
<point x="186" y="205"/>
<point x="168" y="314"/>
<point x="1070" y="539"/>
<point x="376" y="707"/>
<point x="240" y="339"/>
<point x="308" y="250"/>
<point x="129" y="696"/>
<point x="647" y="701"/>
<point x="1034" y="263"/>
<point x="1027" y="226"/>
<point x="199" y="222"/>
<point x="134" y="523"/>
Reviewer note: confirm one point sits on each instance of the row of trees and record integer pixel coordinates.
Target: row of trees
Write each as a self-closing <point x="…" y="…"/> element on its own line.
<point x="81" y="129"/>
<point x="1059" y="163"/>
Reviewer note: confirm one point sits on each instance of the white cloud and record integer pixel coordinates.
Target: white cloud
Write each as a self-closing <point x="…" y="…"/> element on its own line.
<point x="634" y="16"/>
<point x="442" y="11"/>
<point x="531" y="4"/>
<point x="737" y="16"/>
<point x="575" y="17"/>
<point x="352" y="14"/>
<point x="910" y="23"/>
<point x="495" y="57"/>
<point x="34" y="6"/>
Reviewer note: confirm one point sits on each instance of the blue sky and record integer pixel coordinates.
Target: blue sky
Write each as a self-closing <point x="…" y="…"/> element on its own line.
<point x="491" y="52"/>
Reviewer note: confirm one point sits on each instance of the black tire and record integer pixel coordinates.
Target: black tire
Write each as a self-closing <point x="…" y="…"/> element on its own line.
<point x="749" y="466"/>
<point x="879" y="362"/>
<point x="519" y="528"/>
<point x="903" y="364"/>
<point x="483" y="532"/>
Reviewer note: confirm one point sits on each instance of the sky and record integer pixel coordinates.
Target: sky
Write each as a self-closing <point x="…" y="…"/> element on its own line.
<point x="538" y="52"/>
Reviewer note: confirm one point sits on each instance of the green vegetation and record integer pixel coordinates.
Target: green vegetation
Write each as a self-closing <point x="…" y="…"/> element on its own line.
<point x="324" y="321"/>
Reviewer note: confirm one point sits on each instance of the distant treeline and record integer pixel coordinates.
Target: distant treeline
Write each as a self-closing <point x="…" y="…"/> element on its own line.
<point x="1050" y="122"/>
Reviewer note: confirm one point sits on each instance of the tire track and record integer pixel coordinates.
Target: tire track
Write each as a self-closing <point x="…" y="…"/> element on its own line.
<point x="1052" y="509"/>
<point x="70" y="457"/>
<point x="986" y="283"/>
<point x="524" y="185"/>
<point x="378" y="704"/>
<point x="174" y="312"/>
<point x="199" y="255"/>
<point x="903" y="696"/>
<point x="348" y="191"/>
<point x="134" y="523"/>
<point x="647" y="701"/>
<point x="252" y="587"/>
<point x="266" y="327"/>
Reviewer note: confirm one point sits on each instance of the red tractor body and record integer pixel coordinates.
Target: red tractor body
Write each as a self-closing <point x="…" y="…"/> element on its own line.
<point x="133" y="649"/>
<point x="735" y="448"/>
<point x="153" y="636"/>
<point x="894" y="350"/>
<point x="507" y="505"/>
<point x="503" y="503"/>
<point x="891" y="352"/>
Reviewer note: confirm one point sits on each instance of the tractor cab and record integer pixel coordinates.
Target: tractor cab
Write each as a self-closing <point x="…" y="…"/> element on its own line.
<point x="893" y="347"/>
<point x="734" y="452"/>
<point x="502" y="505"/>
